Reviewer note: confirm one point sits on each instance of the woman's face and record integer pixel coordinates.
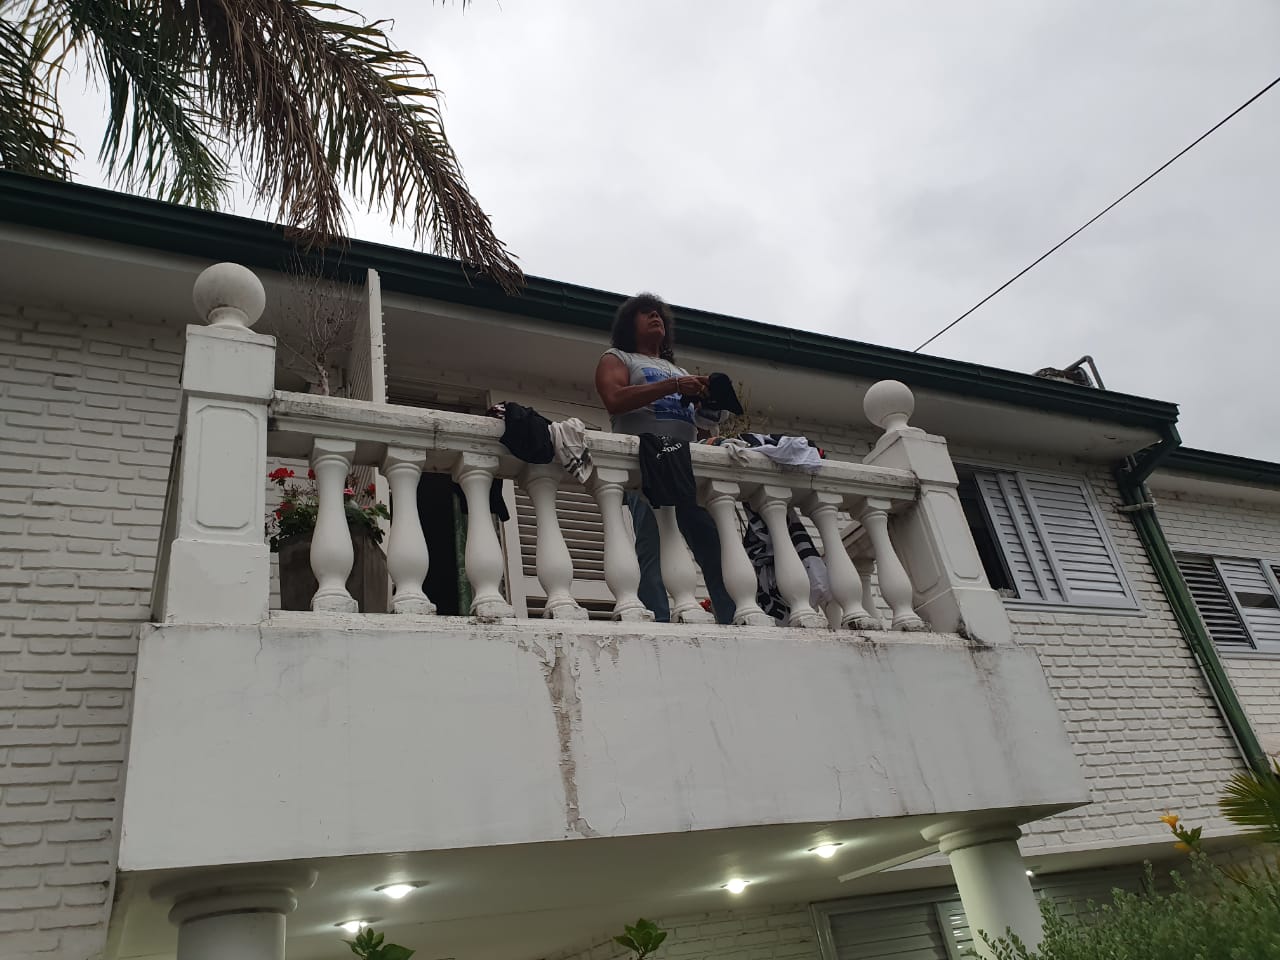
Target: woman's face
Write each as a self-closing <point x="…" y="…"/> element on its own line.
<point x="650" y="323"/>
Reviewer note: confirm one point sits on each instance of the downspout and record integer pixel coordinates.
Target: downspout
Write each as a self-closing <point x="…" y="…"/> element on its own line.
<point x="1131" y="475"/>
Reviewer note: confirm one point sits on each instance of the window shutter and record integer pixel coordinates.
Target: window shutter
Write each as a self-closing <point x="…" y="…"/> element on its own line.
<point x="1016" y="532"/>
<point x="1255" y="598"/>
<point x="1215" y="605"/>
<point x="896" y="933"/>
<point x="583" y="530"/>
<point x="1088" y="570"/>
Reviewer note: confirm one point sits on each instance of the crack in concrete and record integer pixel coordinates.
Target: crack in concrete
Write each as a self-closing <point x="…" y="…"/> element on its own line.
<point x="558" y="669"/>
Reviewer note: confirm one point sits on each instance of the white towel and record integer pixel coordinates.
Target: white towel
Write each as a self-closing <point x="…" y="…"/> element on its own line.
<point x="570" y="440"/>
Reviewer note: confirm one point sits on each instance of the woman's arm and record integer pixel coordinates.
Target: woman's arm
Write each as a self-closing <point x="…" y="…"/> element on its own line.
<point x="619" y="396"/>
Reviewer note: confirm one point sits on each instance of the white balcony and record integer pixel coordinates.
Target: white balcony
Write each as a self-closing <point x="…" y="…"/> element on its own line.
<point x="463" y="750"/>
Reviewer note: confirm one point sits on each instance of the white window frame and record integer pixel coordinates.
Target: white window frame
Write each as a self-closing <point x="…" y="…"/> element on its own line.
<point x="1127" y="604"/>
<point x="1264" y="649"/>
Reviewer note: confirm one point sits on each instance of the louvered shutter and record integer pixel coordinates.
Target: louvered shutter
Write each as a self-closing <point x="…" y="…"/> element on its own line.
<point x="1255" y="598"/>
<point x="1016" y="532"/>
<point x="583" y="530"/>
<point x="1086" y="567"/>
<point x="1214" y="604"/>
<point x="894" y="933"/>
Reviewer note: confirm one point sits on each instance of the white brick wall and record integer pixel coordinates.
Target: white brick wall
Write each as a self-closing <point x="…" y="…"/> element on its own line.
<point x="87" y="415"/>
<point x="770" y="933"/>
<point x="1229" y="528"/>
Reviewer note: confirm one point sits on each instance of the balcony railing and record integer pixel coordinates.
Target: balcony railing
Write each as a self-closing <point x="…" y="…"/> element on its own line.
<point x="908" y="528"/>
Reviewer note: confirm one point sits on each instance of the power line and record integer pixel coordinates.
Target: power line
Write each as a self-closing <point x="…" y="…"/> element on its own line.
<point x="1098" y="216"/>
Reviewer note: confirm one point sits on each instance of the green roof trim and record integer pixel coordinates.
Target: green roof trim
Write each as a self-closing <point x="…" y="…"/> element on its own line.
<point x="137" y="221"/>
<point x="1223" y="466"/>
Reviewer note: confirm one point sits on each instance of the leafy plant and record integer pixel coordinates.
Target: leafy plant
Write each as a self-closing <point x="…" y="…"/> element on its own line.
<point x="643" y="939"/>
<point x="295" y="515"/>
<point x="1253" y="800"/>
<point x="308" y="101"/>
<point x="1207" y="917"/>
<point x="369" y="945"/>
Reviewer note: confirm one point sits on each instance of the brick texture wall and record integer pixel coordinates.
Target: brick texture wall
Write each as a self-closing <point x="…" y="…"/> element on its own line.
<point x="88" y="407"/>
<point x="1233" y="528"/>
<point x="772" y="933"/>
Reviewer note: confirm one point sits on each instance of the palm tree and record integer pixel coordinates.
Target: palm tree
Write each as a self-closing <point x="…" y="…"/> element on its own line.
<point x="304" y="98"/>
<point x="1253" y="800"/>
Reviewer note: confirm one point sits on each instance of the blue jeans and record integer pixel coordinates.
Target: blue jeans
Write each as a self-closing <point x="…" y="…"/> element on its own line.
<point x="700" y="534"/>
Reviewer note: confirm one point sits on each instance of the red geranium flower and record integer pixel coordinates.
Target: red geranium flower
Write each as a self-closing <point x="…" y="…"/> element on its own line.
<point x="311" y="474"/>
<point x="348" y="492"/>
<point x="280" y="474"/>
<point x="285" y="507"/>
<point x="370" y="490"/>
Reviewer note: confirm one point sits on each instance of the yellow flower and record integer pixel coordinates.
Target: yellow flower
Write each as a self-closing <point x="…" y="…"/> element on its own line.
<point x="1171" y="819"/>
<point x="1182" y="847"/>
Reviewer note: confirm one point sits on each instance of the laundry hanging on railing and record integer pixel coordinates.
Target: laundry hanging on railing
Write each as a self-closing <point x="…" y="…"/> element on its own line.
<point x="535" y="439"/>
<point x="758" y="543"/>
<point x="666" y="472"/>
<point x="782" y="449"/>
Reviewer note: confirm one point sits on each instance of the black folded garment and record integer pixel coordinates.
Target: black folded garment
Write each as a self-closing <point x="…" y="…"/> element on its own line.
<point x="720" y="395"/>
<point x="528" y="434"/>
<point x="666" y="472"/>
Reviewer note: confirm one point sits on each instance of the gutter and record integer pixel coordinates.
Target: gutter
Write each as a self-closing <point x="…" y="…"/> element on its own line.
<point x="1131" y="476"/>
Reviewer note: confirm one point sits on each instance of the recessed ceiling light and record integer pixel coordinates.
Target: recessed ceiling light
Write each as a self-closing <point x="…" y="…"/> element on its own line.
<point x="398" y="891"/>
<point x="825" y="850"/>
<point x="736" y="885"/>
<point x="354" y="926"/>
<point x="1031" y="873"/>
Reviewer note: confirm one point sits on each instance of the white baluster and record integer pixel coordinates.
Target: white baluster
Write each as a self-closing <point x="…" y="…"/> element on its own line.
<point x="788" y="569"/>
<point x="735" y="566"/>
<point x="895" y="585"/>
<point x="678" y="573"/>
<point x="554" y="563"/>
<point x="621" y="568"/>
<point x="332" y="554"/>
<point x="407" y="558"/>
<point x="846" y="586"/>
<point x="866" y="567"/>
<point x="483" y="560"/>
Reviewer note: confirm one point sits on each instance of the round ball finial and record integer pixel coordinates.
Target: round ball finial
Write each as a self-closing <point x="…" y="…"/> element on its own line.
<point x="889" y="405"/>
<point x="229" y="295"/>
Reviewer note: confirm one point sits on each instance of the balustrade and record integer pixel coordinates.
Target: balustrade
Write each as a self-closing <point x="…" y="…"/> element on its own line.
<point x="337" y="434"/>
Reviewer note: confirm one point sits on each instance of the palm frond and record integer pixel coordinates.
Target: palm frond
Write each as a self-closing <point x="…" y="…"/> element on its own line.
<point x="1253" y="800"/>
<point x="33" y="137"/>
<point x="317" y="99"/>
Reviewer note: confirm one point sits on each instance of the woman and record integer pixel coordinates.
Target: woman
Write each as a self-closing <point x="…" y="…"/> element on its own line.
<point x="643" y="390"/>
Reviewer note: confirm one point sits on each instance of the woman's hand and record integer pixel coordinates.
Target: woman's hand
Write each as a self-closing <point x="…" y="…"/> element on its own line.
<point x="691" y="386"/>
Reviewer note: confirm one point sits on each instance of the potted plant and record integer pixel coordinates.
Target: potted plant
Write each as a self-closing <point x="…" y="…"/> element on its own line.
<point x="290" y="527"/>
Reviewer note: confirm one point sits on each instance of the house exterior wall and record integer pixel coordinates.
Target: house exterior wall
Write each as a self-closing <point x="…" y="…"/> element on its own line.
<point x="1233" y="528"/>
<point x="1144" y="725"/>
<point x="88" y="407"/>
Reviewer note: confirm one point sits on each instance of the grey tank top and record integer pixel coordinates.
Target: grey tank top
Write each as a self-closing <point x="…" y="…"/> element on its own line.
<point x="666" y="416"/>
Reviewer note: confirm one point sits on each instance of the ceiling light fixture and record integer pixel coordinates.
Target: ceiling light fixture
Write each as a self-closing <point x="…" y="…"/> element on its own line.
<point x="1031" y="873"/>
<point x="398" y="891"/>
<point x="736" y="885"/>
<point x="354" y="926"/>
<point x="825" y="850"/>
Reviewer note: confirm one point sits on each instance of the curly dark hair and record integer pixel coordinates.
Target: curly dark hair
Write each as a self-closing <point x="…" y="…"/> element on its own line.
<point x="623" y="334"/>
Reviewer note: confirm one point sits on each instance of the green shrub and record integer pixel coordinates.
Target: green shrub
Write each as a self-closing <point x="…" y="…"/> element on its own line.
<point x="1206" y="916"/>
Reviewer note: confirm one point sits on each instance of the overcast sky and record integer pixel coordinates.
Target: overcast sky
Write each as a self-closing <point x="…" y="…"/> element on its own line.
<point x="870" y="170"/>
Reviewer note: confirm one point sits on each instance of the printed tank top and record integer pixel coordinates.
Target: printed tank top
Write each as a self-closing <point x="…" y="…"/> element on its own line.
<point x="666" y="416"/>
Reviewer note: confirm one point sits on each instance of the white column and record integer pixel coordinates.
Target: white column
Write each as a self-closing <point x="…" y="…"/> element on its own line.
<point x="474" y="472"/>
<point x="895" y="586"/>
<point x="332" y="554"/>
<point x="992" y="879"/>
<point x="793" y="582"/>
<point x="866" y="567"/>
<point x="407" y="558"/>
<point x="846" y="585"/>
<point x="621" y="568"/>
<point x="735" y="566"/>
<point x="233" y="915"/>
<point x="553" y="560"/>
<point x="678" y="573"/>
<point x="217" y="568"/>
<point x="951" y="589"/>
